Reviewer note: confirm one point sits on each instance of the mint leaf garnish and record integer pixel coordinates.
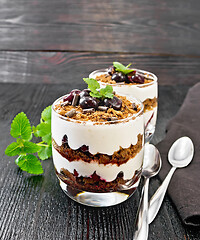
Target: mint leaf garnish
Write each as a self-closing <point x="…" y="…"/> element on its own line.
<point x="95" y="94"/>
<point x="46" y="114"/>
<point x="43" y="129"/>
<point x="22" y="131"/>
<point x="21" y="127"/>
<point x="44" y="152"/>
<point x="13" y="149"/>
<point x="121" y="68"/>
<point x="94" y="86"/>
<point x="107" y="92"/>
<point x="47" y="139"/>
<point x="30" y="164"/>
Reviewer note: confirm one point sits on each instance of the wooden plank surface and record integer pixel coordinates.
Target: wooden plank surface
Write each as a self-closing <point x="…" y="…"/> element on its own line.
<point x="34" y="207"/>
<point x="62" y="67"/>
<point x="114" y="26"/>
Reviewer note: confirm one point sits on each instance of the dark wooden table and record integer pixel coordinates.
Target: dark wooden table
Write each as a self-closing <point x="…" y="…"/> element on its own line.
<point x="46" y="48"/>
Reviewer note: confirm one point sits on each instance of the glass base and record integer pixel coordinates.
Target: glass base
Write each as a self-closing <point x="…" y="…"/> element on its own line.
<point x="97" y="199"/>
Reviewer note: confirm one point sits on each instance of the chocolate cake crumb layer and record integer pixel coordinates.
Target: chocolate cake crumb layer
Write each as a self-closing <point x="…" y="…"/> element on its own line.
<point x="98" y="115"/>
<point x="106" y="78"/>
<point x="95" y="184"/>
<point x="119" y="157"/>
<point x="149" y="104"/>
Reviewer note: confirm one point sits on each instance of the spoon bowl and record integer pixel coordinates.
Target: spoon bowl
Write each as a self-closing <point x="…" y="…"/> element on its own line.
<point x="152" y="161"/>
<point x="181" y="152"/>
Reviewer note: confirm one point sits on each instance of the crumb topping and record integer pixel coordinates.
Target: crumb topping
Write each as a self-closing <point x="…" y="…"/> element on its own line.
<point x="127" y="110"/>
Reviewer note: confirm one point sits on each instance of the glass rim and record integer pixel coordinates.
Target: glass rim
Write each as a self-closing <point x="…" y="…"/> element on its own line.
<point x="131" y="99"/>
<point x="103" y="70"/>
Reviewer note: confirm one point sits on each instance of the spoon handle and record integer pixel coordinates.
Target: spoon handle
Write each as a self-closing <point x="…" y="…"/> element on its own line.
<point x="142" y="226"/>
<point x="157" y="199"/>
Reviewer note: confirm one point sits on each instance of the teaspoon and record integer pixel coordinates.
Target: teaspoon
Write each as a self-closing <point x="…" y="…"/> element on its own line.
<point x="180" y="155"/>
<point x="151" y="166"/>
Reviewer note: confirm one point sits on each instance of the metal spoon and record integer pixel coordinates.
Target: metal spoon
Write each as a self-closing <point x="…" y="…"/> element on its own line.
<point x="151" y="166"/>
<point x="180" y="155"/>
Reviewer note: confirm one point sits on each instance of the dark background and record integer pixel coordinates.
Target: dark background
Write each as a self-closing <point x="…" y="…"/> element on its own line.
<point x="46" y="48"/>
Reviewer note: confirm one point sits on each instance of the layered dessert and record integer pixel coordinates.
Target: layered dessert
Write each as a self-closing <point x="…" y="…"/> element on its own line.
<point x="98" y="139"/>
<point x="132" y="82"/>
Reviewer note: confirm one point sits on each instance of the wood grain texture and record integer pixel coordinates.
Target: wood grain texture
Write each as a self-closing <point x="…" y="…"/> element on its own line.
<point x="144" y="26"/>
<point x="62" y="67"/>
<point x="34" y="207"/>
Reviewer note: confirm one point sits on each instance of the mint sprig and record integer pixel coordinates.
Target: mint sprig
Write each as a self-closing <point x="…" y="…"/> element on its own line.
<point x="22" y="131"/>
<point x="94" y="87"/>
<point x="121" y="68"/>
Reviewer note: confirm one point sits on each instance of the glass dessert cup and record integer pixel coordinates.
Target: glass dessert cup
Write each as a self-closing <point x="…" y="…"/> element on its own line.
<point x="109" y="172"/>
<point x="147" y="93"/>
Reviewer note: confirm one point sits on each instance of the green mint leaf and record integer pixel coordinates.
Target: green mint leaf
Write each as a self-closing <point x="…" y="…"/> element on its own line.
<point x="107" y="92"/>
<point x="95" y="94"/>
<point x="30" y="164"/>
<point x="13" y="149"/>
<point x="121" y="68"/>
<point x="21" y="127"/>
<point x="45" y="152"/>
<point x="35" y="132"/>
<point x="46" y="114"/>
<point x="47" y="139"/>
<point x="93" y="85"/>
<point x="128" y="65"/>
<point x="20" y="142"/>
<point x="30" y="147"/>
<point x="109" y="95"/>
<point x="43" y="129"/>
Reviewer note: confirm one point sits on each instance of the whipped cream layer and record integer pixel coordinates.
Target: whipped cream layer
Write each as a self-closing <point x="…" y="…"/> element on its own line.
<point x="139" y="91"/>
<point x="99" y="137"/>
<point x="106" y="172"/>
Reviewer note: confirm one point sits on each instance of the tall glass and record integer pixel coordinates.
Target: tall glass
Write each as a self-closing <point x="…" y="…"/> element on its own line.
<point x="109" y="172"/>
<point x="147" y="93"/>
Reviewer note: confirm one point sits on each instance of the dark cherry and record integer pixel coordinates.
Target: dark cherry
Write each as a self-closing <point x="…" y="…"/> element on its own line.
<point x="75" y="91"/>
<point x="84" y="148"/>
<point x="85" y="93"/>
<point x="101" y="103"/>
<point x="75" y="173"/>
<point x="115" y="103"/>
<point x="128" y="79"/>
<point x="111" y="70"/>
<point x="120" y="174"/>
<point x="88" y="102"/>
<point x="70" y="96"/>
<point x="95" y="177"/>
<point x="117" y="77"/>
<point x="137" y="79"/>
<point x="124" y="78"/>
<point x="65" y="140"/>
